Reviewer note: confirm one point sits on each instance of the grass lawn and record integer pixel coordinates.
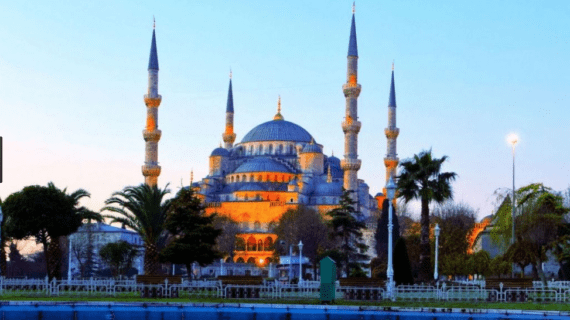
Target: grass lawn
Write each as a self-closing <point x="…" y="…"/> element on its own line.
<point x="404" y="304"/>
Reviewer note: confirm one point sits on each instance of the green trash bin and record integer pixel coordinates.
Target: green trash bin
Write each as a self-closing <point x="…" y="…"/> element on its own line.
<point x="328" y="280"/>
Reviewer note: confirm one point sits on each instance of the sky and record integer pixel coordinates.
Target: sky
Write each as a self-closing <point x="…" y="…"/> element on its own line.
<point x="73" y="75"/>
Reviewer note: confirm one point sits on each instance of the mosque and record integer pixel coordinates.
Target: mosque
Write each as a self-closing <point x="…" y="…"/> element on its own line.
<point x="277" y="166"/>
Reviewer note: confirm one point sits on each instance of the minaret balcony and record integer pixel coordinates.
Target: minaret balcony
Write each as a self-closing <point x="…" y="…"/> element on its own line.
<point x="350" y="164"/>
<point x="351" y="90"/>
<point x="152" y="135"/>
<point x="152" y="102"/>
<point x="151" y="170"/>
<point x="229" y="137"/>
<point x="351" y="126"/>
<point x="392" y="133"/>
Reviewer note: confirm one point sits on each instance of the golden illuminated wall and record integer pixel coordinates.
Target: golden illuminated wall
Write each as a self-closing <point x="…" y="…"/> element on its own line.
<point x="250" y="211"/>
<point x="255" y="248"/>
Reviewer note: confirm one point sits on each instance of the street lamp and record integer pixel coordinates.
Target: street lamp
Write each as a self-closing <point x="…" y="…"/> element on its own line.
<point x="436" y="231"/>
<point x="513" y="139"/>
<point x="391" y="191"/>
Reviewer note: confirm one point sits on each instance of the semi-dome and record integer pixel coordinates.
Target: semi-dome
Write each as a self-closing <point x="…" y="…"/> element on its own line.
<point x="261" y="164"/>
<point x="277" y="130"/>
<point x="311" y="148"/>
<point x="328" y="189"/>
<point x="220" y="152"/>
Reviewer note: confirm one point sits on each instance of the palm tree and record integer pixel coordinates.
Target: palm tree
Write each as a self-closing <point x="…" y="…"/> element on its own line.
<point x="421" y="179"/>
<point x="58" y="241"/>
<point x="142" y="209"/>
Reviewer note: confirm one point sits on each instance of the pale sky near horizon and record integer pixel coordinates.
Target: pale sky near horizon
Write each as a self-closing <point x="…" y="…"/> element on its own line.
<point x="73" y="75"/>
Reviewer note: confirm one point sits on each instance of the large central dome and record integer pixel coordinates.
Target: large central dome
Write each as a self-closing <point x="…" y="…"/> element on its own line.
<point x="277" y="130"/>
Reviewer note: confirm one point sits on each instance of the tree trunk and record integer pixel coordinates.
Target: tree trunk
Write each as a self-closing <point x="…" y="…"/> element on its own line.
<point x="151" y="263"/>
<point x="3" y="264"/>
<point x="54" y="259"/>
<point x="541" y="272"/>
<point x="425" y="263"/>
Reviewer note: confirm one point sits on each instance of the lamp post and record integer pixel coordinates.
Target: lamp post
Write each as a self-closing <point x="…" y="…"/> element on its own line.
<point x="513" y="139"/>
<point x="390" y="190"/>
<point x="436" y="232"/>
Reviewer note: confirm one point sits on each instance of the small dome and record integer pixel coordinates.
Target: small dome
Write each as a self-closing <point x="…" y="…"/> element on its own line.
<point x="220" y="152"/>
<point x="261" y="164"/>
<point x="328" y="189"/>
<point x="334" y="161"/>
<point x="311" y="148"/>
<point x="277" y="130"/>
<point x="379" y="194"/>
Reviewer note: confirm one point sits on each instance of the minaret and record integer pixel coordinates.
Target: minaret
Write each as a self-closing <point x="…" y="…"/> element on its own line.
<point x="229" y="136"/>
<point x="391" y="160"/>
<point x="151" y="134"/>
<point x="351" y="126"/>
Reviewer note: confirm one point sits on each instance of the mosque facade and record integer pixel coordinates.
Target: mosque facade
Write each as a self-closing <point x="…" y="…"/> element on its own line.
<point x="278" y="165"/>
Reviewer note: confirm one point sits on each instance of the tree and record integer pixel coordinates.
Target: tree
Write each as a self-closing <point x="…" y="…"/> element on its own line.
<point x="421" y="179"/>
<point x="17" y="264"/>
<point x="381" y="235"/>
<point x="142" y="209"/>
<point x="479" y="263"/>
<point x="402" y="267"/>
<point x="46" y="214"/>
<point x="192" y="234"/>
<point x="119" y="256"/>
<point x="520" y="254"/>
<point x="499" y="266"/>
<point x="3" y="241"/>
<point x="347" y="224"/>
<point x="226" y="242"/>
<point x="538" y="221"/>
<point x="306" y="225"/>
<point x="456" y="221"/>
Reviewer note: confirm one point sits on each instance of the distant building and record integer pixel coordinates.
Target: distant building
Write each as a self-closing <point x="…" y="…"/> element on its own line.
<point x="89" y="239"/>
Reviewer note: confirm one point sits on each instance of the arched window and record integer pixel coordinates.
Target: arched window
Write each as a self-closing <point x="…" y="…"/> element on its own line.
<point x="279" y="149"/>
<point x="259" y="178"/>
<point x="228" y="260"/>
<point x="232" y="179"/>
<point x="268" y="244"/>
<point x="244" y="178"/>
<point x="240" y="244"/>
<point x="268" y="261"/>
<point x="251" y="244"/>
<point x="260" y="245"/>
<point x="245" y="197"/>
<point x="251" y="150"/>
<point x="260" y="149"/>
<point x="237" y="178"/>
<point x="240" y="260"/>
<point x="251" y="260"/>
<point x="270" y="149"/>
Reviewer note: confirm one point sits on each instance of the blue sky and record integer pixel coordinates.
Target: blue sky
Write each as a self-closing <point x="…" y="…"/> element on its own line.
<point x="73" y="75"/>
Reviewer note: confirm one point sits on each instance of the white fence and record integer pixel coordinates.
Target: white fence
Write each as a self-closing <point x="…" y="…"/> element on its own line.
<point x="556" y="291"/>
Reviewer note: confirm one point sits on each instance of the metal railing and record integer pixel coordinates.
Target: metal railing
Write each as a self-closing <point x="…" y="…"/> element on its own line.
<point x="274" y="290"/>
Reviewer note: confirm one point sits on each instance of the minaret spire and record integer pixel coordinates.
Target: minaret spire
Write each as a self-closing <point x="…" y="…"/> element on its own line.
<point x="391" y="161"/>
<point x="151" y="134"/>
<point x="229" y="136"/>
<point x="351" y="126"/>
